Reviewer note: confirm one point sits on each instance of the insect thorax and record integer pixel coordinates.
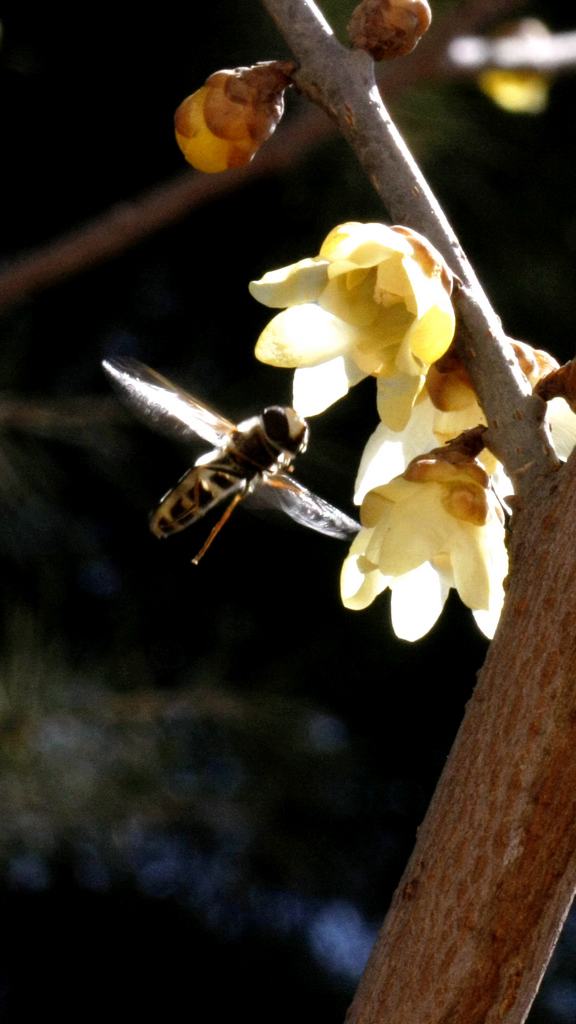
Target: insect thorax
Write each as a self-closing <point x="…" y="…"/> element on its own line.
<point x="271" y="440"/>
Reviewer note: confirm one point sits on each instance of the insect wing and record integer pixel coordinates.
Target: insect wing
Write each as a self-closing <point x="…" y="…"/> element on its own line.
<point x="163" y="404"/>
<point x="306" y="508"/>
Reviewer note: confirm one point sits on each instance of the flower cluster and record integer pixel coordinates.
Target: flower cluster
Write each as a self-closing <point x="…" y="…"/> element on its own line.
<point x="376" y="302"/>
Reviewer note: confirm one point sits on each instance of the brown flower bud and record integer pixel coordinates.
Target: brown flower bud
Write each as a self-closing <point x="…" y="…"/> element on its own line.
<point x="226" y="121"/>
<point x="247" y="102"/>
<point x="389" y="28"/>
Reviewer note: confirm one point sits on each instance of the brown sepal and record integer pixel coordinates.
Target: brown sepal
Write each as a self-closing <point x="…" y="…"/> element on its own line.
<point x="462" y="451"/>
<point x="247" y="102"/>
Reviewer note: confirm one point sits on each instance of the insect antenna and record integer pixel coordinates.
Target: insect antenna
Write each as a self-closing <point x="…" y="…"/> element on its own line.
<point x="216" y="529"/>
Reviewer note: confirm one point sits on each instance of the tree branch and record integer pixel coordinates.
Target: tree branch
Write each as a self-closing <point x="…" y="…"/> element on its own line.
<point x="342" y="83"/>
<point x="479" y="908"/>
<point x="130" y="222"/>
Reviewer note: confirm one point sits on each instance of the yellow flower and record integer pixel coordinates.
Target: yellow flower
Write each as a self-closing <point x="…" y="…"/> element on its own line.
<point x="518" y="92"/>
<point x="375" y="301"/>
<point x="446" y="406"/>
<point x="437" y="526"/>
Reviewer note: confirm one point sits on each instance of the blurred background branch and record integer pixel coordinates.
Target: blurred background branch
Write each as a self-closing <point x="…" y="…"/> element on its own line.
<point x="445" y="54"/>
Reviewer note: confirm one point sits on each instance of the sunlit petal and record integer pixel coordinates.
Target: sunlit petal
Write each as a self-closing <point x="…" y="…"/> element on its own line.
<point x="359" y="589"/>
<point x="362" y="245"/>
<point x="317" y="387"/>
<point x="388" y="452"/>
<point x="418" y="598"/>
<point x="291" y="286"/>
<point x="303" y="336"/>
<point x="562" y="426"/>
<point x="396" y="397"/>
<point x="407" y="538"/>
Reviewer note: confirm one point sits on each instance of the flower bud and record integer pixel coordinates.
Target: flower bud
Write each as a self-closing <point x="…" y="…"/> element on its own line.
<point x="226" y="121"/>
<point x="389" y="28"/>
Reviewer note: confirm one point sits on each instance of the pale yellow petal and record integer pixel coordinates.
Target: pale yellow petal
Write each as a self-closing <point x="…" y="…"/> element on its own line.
<point x="447" y="425"/>
<point x="413" y="532"/>
<point x="392" y="277"/>
<point x="359" y="589"/>
<point x="395" y="399"/>
<point x="519" y="92"/>
<point x="362" y="245"/>
<point x="418" y="598"/>
<point x="430" y="336"/>
<point x="304" y="336"/>
<point x="479" y="562"/>
<point x="291" y="286"/>
<point x="351" y="297"/>
<point x="317" y="387"/>
<point x="388" y="452"/>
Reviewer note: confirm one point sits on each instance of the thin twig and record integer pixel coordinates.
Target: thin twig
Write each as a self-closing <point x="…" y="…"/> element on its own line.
<point x="128" y="223"/>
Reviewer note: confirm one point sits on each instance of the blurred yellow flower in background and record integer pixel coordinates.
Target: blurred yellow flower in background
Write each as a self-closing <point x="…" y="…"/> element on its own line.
<point x="518" y="92"/>
<point x="375" y="301"/>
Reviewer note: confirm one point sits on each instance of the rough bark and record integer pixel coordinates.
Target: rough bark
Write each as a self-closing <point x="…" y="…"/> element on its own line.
<point x="478" y="911"/>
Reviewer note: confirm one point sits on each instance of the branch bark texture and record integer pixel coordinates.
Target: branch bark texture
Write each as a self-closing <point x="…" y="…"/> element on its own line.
<point x="478" y="911"/>
<point x="342" y="82"/>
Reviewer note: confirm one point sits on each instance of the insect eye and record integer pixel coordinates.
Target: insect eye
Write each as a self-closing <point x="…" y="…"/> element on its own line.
<point x="276" y="424"/>
<point x="285" y="428"/>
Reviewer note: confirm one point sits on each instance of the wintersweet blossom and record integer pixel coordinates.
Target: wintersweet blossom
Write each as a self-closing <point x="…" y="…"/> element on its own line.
<point x="436" y="526"/>
<point x="446" y="406"/>
<point x="375" y="301"/>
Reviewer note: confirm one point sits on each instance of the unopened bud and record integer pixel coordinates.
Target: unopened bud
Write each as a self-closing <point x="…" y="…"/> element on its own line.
<point x="389" y="28"/>
<point x="227" y="120"/>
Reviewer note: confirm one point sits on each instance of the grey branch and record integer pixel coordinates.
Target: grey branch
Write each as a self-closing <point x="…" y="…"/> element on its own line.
<point x="342" y="82"/>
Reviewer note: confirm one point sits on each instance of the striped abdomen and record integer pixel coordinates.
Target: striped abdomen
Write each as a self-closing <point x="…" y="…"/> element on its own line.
<point x="199" y="490"/>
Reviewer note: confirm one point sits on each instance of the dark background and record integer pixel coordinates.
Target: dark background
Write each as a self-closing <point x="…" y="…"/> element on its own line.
<point x="211" y="778"/>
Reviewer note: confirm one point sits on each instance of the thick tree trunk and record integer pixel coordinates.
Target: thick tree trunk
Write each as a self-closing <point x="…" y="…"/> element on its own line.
<point x="479" y="908"/>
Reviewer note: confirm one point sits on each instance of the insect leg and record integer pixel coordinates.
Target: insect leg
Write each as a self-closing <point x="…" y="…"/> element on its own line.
<point x="216" y="529"/>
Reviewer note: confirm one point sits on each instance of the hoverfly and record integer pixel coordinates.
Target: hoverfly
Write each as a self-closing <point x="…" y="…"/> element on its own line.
<point x="256" y="455"/>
